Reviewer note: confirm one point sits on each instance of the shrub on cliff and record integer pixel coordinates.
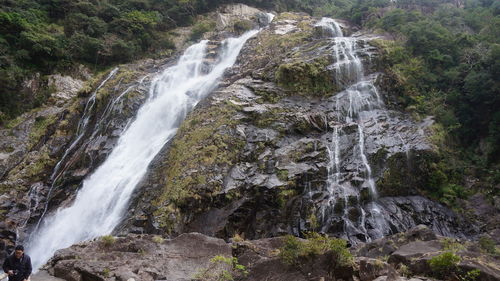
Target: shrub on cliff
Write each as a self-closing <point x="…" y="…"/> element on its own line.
<point x="108" y="240"/>
<point x="444" y="264"/>
<point x="222" y="268"/>
<point x="293" y="249"/>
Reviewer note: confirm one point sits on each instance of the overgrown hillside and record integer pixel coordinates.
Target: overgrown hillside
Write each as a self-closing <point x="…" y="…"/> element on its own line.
<point x="444" y="62"/>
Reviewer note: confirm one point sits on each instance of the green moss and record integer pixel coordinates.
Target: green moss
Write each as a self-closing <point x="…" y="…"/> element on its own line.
<point x="158" y="239"/>
<point x="268" y="96"/>
<point x="285" y="195"/>
<point x="269" y="118"/>
<point x="425" y="173"/>
<point x="283" y="175"/>
<point x="40" y="127"/>
<point x="396" y="179"/>
<point x="308" y="78"/>
<point x="106" y="272"/>
<point x="9" y="149"/>
<point x="33" y="169"/>
<point x="201" y="28"/>
<point x="313" y="220"/>
<point x="40" y="165"/>
<point x="289" y="16"/>
<point x="281" y="44"/>
<point x="242" y="26"/>
<point x="202" y="149"/>
<point x="14" y="122"/>
<point x="124" y="76"/>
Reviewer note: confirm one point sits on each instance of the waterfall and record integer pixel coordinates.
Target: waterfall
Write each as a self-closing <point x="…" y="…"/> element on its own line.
<point x="346" y="205"/>
<point x="101" y="202"/>
<point x="331" y="27"/>
<point x="348" y="66"/>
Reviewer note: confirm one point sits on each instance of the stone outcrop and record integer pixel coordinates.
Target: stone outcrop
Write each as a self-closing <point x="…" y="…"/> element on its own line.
<point x="148" y="257"/>
<point x="66" y="87"/>
<point x="414" y="249"/>
<point x="144" y="258"/>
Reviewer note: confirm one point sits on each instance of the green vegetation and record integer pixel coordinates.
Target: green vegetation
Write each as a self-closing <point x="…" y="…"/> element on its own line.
<point x="445" y="63"/>
<point x="242" y="26"/>
<point x="158" y="239"/>
<point x="488" y="245"/>
<point x="431" y="174"/>
<point x="452" y="245"/>
<point x="444" y="264"/>
<point x="306" y="77"/>
<point x="404" y="270"/>
<point x="222" y="268"/>
<point x="471" y="275"/>
<point x="209" y="145"/>
<point x="201" y="28"/>
<point x="294" y="250"/>
<point x="54" y="35"/>
<point x="108" y="240"/>
<point x="106" y="272"/>
<point x="291" y="250"/>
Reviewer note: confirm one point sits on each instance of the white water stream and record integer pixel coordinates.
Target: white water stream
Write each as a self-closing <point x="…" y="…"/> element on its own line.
<point x="360" y="95"/>
<point x="104" y="196"/>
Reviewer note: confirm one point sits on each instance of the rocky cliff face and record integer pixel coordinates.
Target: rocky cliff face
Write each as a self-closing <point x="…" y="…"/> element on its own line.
<point x="257" y="158"/>
<point x="293" y="140"/>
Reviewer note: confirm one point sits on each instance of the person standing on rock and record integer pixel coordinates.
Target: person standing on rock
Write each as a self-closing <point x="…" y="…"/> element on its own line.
<point x="18" y="265"/>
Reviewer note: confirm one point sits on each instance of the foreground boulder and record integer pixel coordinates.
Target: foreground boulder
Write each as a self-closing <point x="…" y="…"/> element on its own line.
<point x="138" y="257"/>
<point x="194" y="256"/>
<point x="412" y="253"/>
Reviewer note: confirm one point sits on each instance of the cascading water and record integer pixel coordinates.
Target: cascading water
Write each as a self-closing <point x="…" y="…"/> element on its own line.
<point x="330" y="26"/>
<point x="34" y="196"/>
<point x="104" y="196"/>
<point x="346" y="207"/>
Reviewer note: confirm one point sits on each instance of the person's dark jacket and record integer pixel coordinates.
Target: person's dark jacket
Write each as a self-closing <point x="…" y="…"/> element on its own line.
<point x="21" y="267"/>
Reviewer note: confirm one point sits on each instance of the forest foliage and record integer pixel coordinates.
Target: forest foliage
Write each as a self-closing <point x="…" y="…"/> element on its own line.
<point x="445" y="62"/>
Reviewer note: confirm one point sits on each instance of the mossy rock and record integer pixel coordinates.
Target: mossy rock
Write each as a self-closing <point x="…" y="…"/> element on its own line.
<point x="397" y="179"/>
<point x="243" y="26"/>
<point x="422" y="172"/>
<point x="307" y="77"/>
<point x="205" y="148"/>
